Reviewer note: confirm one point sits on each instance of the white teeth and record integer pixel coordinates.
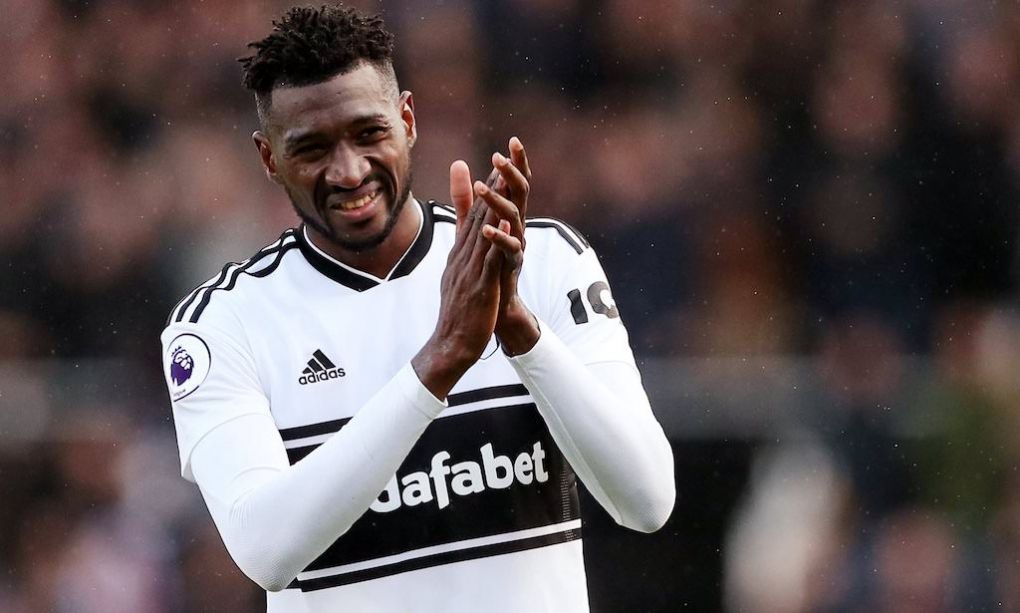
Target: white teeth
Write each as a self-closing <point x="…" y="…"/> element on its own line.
<point x="350" y="205"/>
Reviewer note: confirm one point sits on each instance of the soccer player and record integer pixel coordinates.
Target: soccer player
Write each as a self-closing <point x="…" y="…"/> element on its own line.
<point x="385" y="409"/>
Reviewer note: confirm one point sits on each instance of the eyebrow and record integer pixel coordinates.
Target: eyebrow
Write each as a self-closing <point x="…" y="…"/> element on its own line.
<point x="298" y="135"/>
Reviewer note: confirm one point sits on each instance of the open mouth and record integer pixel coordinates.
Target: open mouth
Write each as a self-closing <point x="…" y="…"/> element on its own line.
<point x="356" y="203"/>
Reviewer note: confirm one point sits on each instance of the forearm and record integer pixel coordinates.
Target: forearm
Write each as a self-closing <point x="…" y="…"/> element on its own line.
<point x="275" y="519"/>
<point x="607" y="432"/>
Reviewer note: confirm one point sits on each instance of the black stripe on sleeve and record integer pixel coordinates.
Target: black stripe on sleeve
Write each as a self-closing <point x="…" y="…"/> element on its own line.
<point x="577" y="233"/>
<point x="188" y="298"/>
<point x="194" y="294"/>
<point x="177" y="314"/>
<point x="573" y="237"/>
<point x="236" y="274"/>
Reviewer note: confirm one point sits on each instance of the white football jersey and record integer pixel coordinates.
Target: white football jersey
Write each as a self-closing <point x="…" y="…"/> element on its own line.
<point x="483" y="512"/>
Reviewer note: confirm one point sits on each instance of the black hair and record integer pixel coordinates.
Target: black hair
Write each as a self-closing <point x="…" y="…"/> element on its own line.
<point x="309" y="45"/>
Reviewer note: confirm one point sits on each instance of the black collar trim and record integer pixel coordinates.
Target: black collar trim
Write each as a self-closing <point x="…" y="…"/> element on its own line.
<point x="348" y="278"/>
<point x="420" y="248"/>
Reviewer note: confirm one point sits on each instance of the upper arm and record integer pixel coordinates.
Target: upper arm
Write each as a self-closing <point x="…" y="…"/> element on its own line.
<point x="234" y="458"/>
<point x="211" y="379"/>
<point x="578" y="303"/>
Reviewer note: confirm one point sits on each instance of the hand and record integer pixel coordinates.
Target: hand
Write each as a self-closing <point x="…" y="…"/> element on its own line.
<point x="516" y="327"/>
<point x="514" y="180"/>
<point x="469" y="293"/>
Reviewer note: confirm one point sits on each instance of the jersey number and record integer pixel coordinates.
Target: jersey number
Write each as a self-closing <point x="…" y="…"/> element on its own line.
<point x="598" y="303"/>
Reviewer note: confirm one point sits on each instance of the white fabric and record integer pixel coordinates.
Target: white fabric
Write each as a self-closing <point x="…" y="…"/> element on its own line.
<point x="245" y="404"/>
<point x="275" y="518"/>
<point x="600" y="417"/>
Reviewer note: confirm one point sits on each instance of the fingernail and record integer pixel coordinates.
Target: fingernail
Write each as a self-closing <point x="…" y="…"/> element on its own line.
<point x="481" y="188"/>
<point x="498" y="159"/>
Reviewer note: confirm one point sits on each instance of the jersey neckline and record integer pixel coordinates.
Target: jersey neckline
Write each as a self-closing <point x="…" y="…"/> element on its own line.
<point x="361" y="281"/>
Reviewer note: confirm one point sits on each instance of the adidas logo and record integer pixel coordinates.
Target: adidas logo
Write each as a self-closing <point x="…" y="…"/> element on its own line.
<point x="320" y="368"/>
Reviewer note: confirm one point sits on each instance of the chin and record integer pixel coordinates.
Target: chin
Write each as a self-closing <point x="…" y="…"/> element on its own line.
<point x="368" y="239"/>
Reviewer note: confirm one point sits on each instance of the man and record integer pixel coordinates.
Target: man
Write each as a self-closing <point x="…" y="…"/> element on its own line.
<point x="385" y="408"/>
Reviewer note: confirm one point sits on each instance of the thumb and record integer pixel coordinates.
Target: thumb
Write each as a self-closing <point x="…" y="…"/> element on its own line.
<point x="461" y="194"/>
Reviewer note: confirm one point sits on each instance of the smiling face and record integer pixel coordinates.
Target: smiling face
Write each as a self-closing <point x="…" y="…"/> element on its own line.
<point x="342" y="151"/>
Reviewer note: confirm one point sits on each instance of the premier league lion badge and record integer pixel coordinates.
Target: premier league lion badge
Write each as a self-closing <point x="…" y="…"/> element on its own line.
<point x="186" y="365"/>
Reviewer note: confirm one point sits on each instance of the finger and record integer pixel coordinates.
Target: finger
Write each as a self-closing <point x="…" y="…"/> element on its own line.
<point x="503" y="208"/>
<point x="516" y="181"/>
<point x="513" y="258"/>
<point x="499" y="183"/>
<point x="480" y="215"/>
<point x="494" y="254"/>
<point x="492" y="181"/>
<point x="461" y="195"/>
<point x="492" y="265"/>
<point x="495" y="181"/>
<point x="473" y="226"/>
<point x="519" y="157"/>
<point x="493" y="178"/>
<point x="477" y="214"/>
<point x="499" y="237"/>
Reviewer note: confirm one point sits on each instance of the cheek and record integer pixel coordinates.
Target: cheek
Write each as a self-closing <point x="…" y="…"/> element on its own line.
<point x="400" y="163"/>
<point x="302" y="183"/>
<point x="305" y="177"/>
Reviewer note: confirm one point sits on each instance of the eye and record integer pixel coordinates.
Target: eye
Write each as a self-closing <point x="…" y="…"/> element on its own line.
<point x="373" y="133"/>
<point x="308" y="151"/>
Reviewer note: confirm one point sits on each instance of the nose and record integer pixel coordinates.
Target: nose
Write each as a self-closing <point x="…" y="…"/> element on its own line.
<point x="347" y="168"/>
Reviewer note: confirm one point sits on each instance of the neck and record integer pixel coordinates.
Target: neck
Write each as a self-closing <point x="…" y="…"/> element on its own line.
<point x="381" y="259"/>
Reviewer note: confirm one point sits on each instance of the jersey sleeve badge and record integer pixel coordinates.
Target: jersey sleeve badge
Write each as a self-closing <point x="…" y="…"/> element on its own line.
<point x="186" y="365"/>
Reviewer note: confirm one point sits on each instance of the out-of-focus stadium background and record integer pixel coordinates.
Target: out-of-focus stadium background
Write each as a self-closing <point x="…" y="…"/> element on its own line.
<point x="808" y="210"/>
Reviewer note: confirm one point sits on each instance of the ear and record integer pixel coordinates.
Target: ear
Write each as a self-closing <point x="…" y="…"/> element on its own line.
<point x="407" y="116"/>
<point x="265" y="148"/>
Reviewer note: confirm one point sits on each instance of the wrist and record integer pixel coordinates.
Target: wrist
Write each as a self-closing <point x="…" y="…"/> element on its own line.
<point x="439" y="367"/>
<point x="517" y="329"/>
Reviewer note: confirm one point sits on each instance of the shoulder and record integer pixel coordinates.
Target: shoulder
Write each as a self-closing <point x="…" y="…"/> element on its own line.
<point x="218" y="290"/>
<point x="557" y="252"/>
<point x="556" y="234"/>
<point x="546" y="230"/>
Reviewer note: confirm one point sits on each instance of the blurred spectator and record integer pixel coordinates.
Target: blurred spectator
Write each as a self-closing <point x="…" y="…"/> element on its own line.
<point x="836" y="180"/>
<point x="783" y="553"/>
<point x="970" y="450"/>
<point x="916" y="559"/>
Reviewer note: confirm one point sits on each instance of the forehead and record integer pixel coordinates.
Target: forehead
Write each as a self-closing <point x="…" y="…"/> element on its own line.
<point x="343" y="99"/>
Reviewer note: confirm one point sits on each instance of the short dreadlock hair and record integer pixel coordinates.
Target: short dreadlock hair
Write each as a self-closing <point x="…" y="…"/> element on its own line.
<point x="309" y="45"/>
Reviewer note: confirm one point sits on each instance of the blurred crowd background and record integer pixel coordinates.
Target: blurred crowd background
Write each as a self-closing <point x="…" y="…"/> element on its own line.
<point x="814" y="201"/>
